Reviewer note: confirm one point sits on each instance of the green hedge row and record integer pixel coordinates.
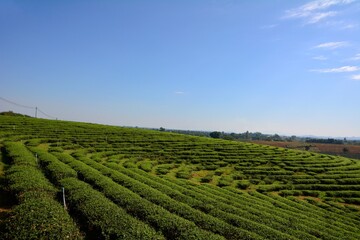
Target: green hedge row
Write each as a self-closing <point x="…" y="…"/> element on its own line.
<point x="264" y="224"/>
<point x="171" y="225"/>
<point x="304" y="212"/>
<point x="301" y="208"/>
<point x="102" y="217"/>
<point x="296" y="221"/>
<point x="54" y="169"/>
<point x="325" y="187"/>
<point x="148" y="195"/>
<point x="347" y="194"/>
<point x="297" y="226"/>
<point x="269" y="215"/>
<point x="200" y="218"/>
<point x="38" y="215"/>
<point x="20" y="155"/>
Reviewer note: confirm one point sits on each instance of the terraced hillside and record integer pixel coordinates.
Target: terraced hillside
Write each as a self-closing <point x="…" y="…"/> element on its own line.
<point x="128" y="183"/>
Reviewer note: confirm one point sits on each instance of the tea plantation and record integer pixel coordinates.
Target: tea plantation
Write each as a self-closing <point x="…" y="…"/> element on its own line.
<point x="129" y="183"/>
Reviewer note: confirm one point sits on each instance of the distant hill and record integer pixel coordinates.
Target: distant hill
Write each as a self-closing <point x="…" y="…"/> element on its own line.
<point x="11" y="113"/>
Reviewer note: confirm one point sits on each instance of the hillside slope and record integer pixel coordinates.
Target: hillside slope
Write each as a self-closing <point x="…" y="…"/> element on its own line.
<point x="175" y="186"/>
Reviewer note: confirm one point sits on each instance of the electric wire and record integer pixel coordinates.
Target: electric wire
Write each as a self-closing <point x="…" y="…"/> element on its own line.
<point x="17" y="104"/>
<point x="49" y="116"/>
<point x="28" y="107"/>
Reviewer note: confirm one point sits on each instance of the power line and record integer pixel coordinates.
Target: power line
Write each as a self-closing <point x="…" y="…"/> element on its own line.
<point x="28" y="107"/>
<point x="17" y="104"/>
<point x="49" y="116"/>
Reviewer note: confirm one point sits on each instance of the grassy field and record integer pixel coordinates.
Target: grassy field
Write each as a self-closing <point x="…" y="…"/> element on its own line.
<point x="129" y="183"/>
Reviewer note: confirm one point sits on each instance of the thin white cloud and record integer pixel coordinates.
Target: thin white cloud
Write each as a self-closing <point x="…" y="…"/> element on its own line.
<point x="349" y="26"/>
<point x="341" y="24"/>
<point x="355" y="77"/>
<point x="269" y="26"/>
<point x="323" y="4"/>
<point x="316" y="17"/>
<point x="179" y="92"/>
<point x="314" y="11"/>
<point x="355" y="58"/>
<point x="337" y="70"/>
<point x="332" y="45"/>
<point x="320" y="58"/>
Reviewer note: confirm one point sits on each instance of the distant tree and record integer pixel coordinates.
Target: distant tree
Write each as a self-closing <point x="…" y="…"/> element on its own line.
<point x="215" y="134"/>
<point x="247" y="135"/>
<point x="228" y="137"/>
<point x="162" y="129"/>
<point x="276" y="137"/>
<point x="257" y="136"/>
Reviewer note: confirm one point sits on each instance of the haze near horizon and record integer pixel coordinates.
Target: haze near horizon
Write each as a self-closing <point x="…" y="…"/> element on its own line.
<point x="286" y="67"/>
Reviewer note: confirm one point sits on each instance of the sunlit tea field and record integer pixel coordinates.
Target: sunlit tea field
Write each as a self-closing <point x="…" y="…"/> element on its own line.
<point x="130" y="183"/>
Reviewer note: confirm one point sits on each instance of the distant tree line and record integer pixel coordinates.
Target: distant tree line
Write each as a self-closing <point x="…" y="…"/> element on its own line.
<point x="251" y="136"/>
<point x="258" y="136"/>
<point x="235" y="136"/>
<point x="189" y="132"/>
<point x="328" y="141"/>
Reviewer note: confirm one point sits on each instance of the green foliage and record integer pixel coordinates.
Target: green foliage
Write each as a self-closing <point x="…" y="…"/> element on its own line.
<point x="56" y="149"/>
<point x="243" y="184"/>
<point x="146" y="166"/>
<point x="103" y="216"/>
<point x="172" y="226"/>
<point x="164" y="168"/>
<point x="129" y="164"/>
<point x="38" y="215"/>
<point x="54" y="169"/>
<point x="206" y="188"/>
<point x="183" y="173"/>
<point x="208" y="178"/>
<point x="225" y="181"/>
<point x="24" y="178"/>
<point x="202" y="202"/>
<point x="12" y="114"/>
<point x="215" y="134"/>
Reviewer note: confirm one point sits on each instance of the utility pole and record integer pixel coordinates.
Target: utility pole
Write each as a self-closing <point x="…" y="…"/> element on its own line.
<point x="35" y="112"/>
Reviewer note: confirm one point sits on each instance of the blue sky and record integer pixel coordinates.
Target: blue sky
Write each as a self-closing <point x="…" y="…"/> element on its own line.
<point x="287" y="67"/>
